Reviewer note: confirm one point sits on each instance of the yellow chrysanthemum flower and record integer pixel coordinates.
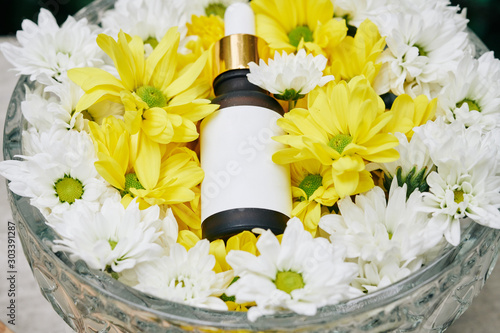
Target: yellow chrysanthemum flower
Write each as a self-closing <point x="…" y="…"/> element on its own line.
<point x="188" y="238"/>
<point x="312" y="192"/>
<point x="209" y="29"/>
<point x="357" y="55"/>
<point x="159" y="100"/>
<point x="188" y="214"/>
<point x="410" y="113"/>
<point x="140" y="168"/>
<point x="343" y="129"/>
<point x="244" y="241"/>
<point x="294" y="24"/>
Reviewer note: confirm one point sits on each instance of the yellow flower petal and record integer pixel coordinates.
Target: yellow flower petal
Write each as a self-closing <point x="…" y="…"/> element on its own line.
<point x="90" y="77"/>
<point x="346" y="183"/>
<point x="95" y="97"/>
<point x="188" y="239"/>
<point x="186" y="216"/>
<point x="109" y="169"/>
<point x="187" y="78"/>
<point x="147" y="164"/>
<point x="160" y="65"/>
<point x="218" y="250"/>
<point x="121" y="56"/>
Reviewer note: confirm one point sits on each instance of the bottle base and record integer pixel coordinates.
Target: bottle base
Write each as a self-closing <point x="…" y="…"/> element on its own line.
<point x="231" y="222"/>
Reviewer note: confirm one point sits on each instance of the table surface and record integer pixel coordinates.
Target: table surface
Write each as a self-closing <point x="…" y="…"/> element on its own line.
<point x="35" y="315"/>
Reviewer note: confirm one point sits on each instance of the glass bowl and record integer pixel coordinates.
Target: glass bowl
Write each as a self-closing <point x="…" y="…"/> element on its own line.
<point x="429" y="300"/>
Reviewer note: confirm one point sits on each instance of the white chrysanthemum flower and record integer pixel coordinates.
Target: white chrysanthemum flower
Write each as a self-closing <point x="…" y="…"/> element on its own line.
<point x="472" y="94"/>
<point x="421" y="5"/>
<point x="53" y="106"/>
<point x="301" y="274"/>
<point x="388" y="238"/>
<point x="47" y="51"/>
<point x="355" y="12"/>
<point x="148" y="19"/>
<point x="422" y="48"/>
<point x="114" y="238"/>
<point x="38" y="114"/>
<point x="466" y="183"/>
<point x="61" y="174"/>
<point x="185" y="277"/>
<point x="413" y="165"/>
<point x="169" y="228"/>
<point x="209" y="7"/>
<point x="35" y="142"/>
<point x="377" y="11"/>
<point x="375" y="275"/>
<point x="373" y="228"/>
<point x="68" y="93"/>
<point x="495" y="135"/>
<point x="290" y="76"/>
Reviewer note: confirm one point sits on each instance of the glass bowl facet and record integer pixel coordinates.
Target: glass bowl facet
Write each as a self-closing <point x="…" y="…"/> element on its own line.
<point x="429" y="300"/>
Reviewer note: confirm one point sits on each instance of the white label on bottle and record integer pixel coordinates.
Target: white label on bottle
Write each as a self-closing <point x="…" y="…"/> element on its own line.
<point x="236" y="148"/>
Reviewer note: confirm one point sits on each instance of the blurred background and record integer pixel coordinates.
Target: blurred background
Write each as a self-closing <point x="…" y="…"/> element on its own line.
<point x="482" y="14"/>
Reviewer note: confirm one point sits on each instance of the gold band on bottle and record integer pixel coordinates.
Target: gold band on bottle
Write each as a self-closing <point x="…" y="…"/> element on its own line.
<point x="237" y="50"/>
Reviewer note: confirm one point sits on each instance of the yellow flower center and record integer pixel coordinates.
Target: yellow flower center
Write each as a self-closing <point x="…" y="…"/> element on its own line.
<point x="289" y="281"/>
<point x="151" y="41"/>
<point x="310" y="184"/>
<point x="68" y="189"/>
<point x="473" y="106"/>
<point x="152" y="96"/>
<point x="131" y="181"/>
<point x="215" y="9"/>
<point x="458" y="196"/>
<point x="339" y="142"/>
<point x="296" y="35"/>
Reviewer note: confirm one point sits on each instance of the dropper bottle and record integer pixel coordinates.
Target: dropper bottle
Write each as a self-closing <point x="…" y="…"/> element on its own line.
<point x="243" y="188"/>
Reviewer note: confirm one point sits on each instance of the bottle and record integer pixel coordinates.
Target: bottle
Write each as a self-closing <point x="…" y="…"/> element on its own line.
<point x="243" y="188"/>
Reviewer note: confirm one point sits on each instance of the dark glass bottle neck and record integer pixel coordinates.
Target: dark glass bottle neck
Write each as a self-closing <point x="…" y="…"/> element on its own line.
<point x="232" y="88"/>
<point x="234" y="80"/>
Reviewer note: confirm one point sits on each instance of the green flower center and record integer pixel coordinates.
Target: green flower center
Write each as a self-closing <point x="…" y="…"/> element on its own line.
<point x="310" y="184"/>
<point x="458" y="196"/>
<point x="131" y="181"/>
<point x="421" y="51"/>
<point x="215" y="9"/>
<point x="473" y="106"/>
<point x="110" y="271"/>
<point x="289" y="281"/>
<point x="151" y="41"/>
<point x="68" y="189"/>
<point x="86" y="115"/>
<point x="180" y="282"/>
<point x="152" y="96"/>
<point x="339" y="142"/>
<point x="296" y="35"/>
<point x="289" y="95"/>
<point x="112" y="244"/>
